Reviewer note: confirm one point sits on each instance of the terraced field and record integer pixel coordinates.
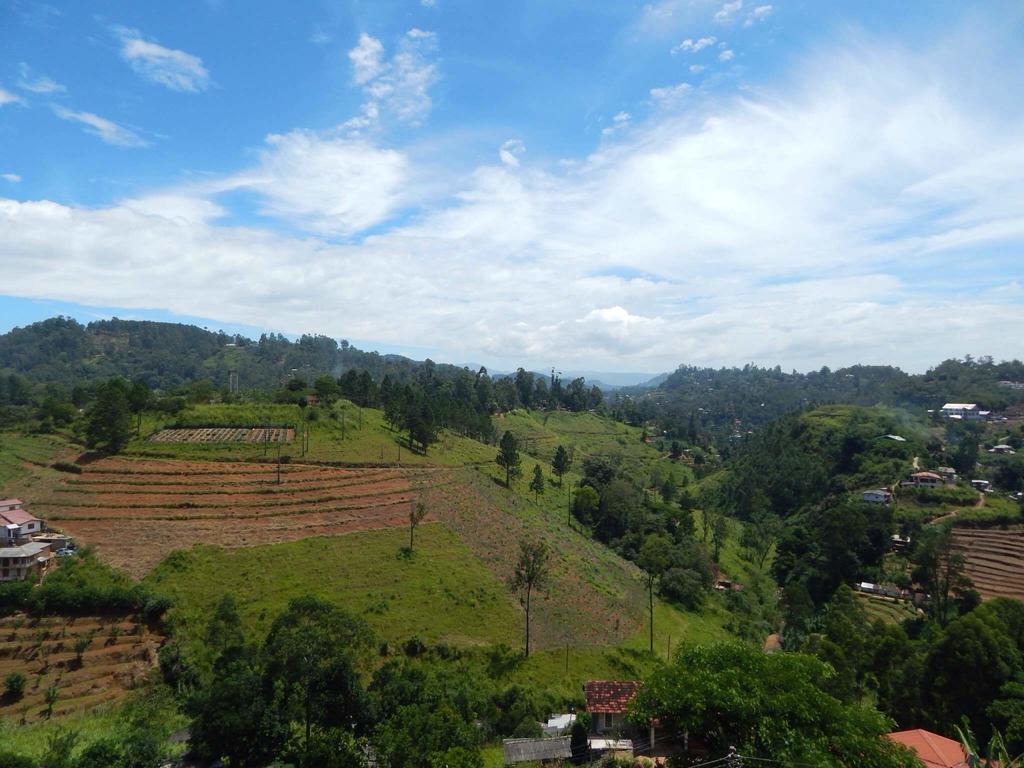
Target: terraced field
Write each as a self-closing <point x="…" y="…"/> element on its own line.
<point x="994" y="559"/>
<point x="257" y="435"/>
<point x="136" y="511"/>
<point x="120" y="654"/>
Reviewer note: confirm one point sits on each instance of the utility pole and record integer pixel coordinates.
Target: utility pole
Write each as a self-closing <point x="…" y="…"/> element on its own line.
<point x="278" y="463"/>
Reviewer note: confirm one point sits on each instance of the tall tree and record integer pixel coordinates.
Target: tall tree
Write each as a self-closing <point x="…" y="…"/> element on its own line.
<point x="531" y="575"/>
<point x="109" y="422"/>
<point x="310" y="654"/>
<point x="508" y="457"/>
<point x="416" y="514"/>
<point x="560" y="463"/>
<point x="654" y="558"/>
<point x="139" y="398"/>
<point x="537" y="483"/>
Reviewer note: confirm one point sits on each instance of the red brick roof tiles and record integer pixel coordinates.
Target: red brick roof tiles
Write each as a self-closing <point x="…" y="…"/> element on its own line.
<point x="611" y="696"/>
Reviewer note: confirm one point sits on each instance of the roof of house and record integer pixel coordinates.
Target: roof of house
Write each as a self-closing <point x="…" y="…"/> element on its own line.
<point x="927" y="474"/>
<point x="17" y="517"/>
<point x="935" y="751"/>
<point x="611" y="696"/>
<point x="959" y="406"/>
<point x="11" y="502"/>
<point x="532" y="750"/>
<point x="31" y="549"/>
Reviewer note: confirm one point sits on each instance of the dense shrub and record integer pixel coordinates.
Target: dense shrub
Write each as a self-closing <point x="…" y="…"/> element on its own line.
<point x="67" y="466"/>
<point x="961" y="497"/>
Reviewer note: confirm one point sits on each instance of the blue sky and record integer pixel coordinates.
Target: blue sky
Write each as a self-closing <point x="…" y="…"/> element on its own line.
<point x="613" y="186"/>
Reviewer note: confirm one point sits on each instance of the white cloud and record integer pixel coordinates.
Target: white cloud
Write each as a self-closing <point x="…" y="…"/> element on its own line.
<point x="11" y="177"/>
<point x="690" y="45"/>
<point x="174" y="69"/>
<point x="428" y="3"/>
<point x="367" y="59"/>
<point x="696" y="68"/>
<point x="670" y="94"/>
<point x="727" y="12"/>
<point x="27" y="81"/>
<point x="109" y="131"/>
<point x="399" y="86"/>
<point x="6" y="97"/>
<point x="620" y="121"/>
<point x="760" y="13"/>
<point x="510" y="152"/>
<point x="329" y="186"/>
<point x="726" y="55"/>
<point x="867" y="200"/>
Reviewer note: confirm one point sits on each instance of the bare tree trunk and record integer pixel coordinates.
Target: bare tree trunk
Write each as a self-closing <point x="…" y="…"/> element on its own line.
<point x="650" y="595"/>
<point x="528" y="590"/>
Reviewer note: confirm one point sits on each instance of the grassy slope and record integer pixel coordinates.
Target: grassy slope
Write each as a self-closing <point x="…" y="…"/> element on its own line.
<point x="454" y="589"/>
<point x="442" y="593"/>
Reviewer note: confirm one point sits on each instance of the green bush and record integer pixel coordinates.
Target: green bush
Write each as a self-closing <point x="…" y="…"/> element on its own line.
<point x="67" y="466"/>
<point x="14" y="685"/>
<point x="955" y="495"/>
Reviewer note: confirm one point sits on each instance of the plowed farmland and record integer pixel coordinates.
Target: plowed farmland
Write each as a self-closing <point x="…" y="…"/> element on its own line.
<point x="225" y="435"/>
<point x="994" y="559"/>
<point x="137" y="511"/>
<point x="120" y="653"/>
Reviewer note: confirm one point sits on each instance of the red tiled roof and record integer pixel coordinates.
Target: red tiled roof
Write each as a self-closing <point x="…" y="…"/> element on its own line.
<point x="610" y="696"/>
<point x="11" y="502"/>
<point x="935" y="751"/>
<point x="931" y="475"/>
<point x="16" y="517"/>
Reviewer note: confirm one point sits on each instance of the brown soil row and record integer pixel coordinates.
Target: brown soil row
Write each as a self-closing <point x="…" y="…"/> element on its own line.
<point x="267" y="485"/>
<point x="110" y="666"/>
<point x="229" y="513"/>
<point x="993" y="560"/>
<point x="224" y="500"/>
<point x="225" y="435"/>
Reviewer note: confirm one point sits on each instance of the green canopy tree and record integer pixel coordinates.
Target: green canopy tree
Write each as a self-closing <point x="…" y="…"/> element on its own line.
<point x="768" y="706"/>
<point x="508" y="457"/>
<point x="560" y="463"/>
<point x="109" y="424"/>
<point x="537" y="483"/>
<point x="310" y="659"/>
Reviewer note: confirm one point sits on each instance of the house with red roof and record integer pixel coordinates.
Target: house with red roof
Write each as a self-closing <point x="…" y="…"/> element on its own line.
<point x="933" y="750"/>
<point x="16" y="525"/>
<point x="608" y="703"/>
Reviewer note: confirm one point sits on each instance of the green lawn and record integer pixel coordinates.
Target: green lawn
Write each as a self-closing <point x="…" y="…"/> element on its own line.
<point x="442" y="593"/>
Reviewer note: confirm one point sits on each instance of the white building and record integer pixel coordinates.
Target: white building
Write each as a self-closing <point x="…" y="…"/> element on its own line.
<point x="18" y="563"/>
<point x="965" y="411"/>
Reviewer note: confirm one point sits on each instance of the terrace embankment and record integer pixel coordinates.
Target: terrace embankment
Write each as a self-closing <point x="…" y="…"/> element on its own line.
<point x="135" y="512"/>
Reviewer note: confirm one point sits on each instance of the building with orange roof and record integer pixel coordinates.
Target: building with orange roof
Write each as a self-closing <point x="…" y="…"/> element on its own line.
<point x="934" y="751"/>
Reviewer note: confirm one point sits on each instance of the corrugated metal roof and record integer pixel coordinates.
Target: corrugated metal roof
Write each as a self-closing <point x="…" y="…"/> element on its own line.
<point x="531" y="750"/>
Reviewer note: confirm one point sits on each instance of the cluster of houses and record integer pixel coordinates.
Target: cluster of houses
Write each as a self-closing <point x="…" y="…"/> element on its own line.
<point x="611" y="732"/>
<point x="26" y="549"/>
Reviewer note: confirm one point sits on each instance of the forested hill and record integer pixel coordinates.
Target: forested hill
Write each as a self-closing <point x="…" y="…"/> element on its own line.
<point x="726" y="401"/>
<point x="167" y="355"/>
